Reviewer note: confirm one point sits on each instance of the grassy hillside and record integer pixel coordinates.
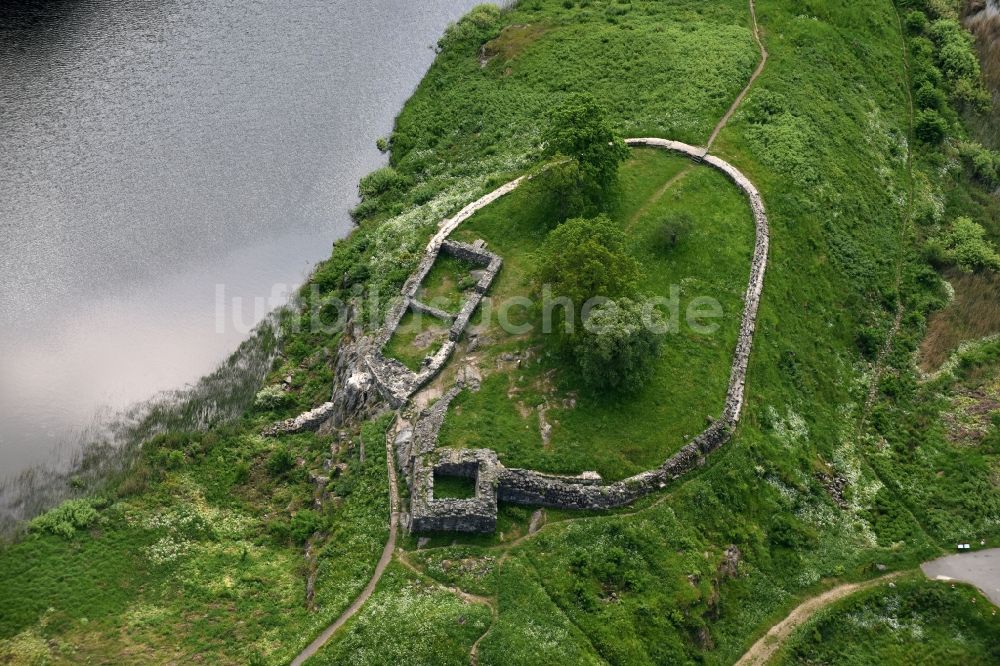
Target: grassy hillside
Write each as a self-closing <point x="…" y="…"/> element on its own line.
<point x="914" y="622"/>
<point x="826" y="135"/>
<point x="845" y="459"/>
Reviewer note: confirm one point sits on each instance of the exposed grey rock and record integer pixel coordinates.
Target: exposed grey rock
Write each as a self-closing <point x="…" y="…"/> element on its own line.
<point x="729" y="567"/>
<point x="306" y="421"/>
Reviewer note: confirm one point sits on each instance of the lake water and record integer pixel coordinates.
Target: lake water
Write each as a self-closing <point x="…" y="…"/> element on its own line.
<point x="152" y="151"/>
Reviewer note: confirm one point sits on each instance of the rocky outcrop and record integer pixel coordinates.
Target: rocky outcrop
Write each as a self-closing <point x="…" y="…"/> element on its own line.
<point x="306" y="421"/>
<point x="355" y="396"/>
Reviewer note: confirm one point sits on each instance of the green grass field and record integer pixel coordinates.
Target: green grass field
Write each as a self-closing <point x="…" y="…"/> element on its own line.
<point x="446" y="285"/>
<point x="417" y="337"/>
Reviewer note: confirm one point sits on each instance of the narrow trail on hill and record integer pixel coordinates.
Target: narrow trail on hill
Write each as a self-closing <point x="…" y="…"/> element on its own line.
<point x="905" y="228"/>
<point x="383" y="562"/>
<point x="764" y="649"/>
<point x="657" y="195"/>
<point x="753" y="77"/>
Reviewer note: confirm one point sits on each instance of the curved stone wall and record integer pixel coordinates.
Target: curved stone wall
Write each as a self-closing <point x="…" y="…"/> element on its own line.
<point x="528" y="487"/>
<point x="520" y="486"/>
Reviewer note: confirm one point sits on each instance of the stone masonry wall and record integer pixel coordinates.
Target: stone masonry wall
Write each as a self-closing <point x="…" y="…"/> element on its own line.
<point x="532" y="488"/>
<point x="417" y="454"/>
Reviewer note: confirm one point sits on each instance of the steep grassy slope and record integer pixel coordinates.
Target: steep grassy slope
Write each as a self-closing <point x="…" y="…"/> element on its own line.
<point x="916" y="622"/>
<point x="825" y="134"/>
<point x="206" y="562"/>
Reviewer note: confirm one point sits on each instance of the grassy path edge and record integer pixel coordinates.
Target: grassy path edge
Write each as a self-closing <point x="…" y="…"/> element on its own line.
<point x="383" y="562"/>
<point x="765" y="648"/>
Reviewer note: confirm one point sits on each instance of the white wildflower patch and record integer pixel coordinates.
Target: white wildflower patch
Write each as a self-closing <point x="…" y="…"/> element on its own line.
<point x="191" y="513"/>
<point x="886" y="616"/>
<point x="949" y="290"/>
<point x="144" y="615"/>
<point x="790" y="430"/>
<point x="807" y="577"/>
<point x="167" y="549"/>
<point x="788" y="494"/>
<point x="401" y="239"/>
<point x="847" y="460"/>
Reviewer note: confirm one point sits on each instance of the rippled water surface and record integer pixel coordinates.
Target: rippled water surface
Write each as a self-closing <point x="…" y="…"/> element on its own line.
<point x="152" y="150"/>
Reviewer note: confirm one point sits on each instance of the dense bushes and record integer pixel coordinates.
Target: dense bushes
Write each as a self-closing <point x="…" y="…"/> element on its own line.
<point x="964" y="245"/>
<point x="280" y="461"/>
<point x="272" y="397"/>
<point x="984" y="164"/>
<point x="930" y="127"/>
<point x="380" y="182"/>
<point x="958" y="63"/>
<point x="614" y="343"/>
<point x="68" y="517"/>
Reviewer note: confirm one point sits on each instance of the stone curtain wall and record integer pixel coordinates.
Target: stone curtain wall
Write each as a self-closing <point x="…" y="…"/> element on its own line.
<point x="521" y="486"/>
<point x="416" y="450"/>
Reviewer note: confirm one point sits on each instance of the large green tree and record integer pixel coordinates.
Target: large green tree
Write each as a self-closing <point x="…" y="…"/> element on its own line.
<point x="618" y="347"/>
<point x="588" y="154"/>
<point x="587" y="257"/>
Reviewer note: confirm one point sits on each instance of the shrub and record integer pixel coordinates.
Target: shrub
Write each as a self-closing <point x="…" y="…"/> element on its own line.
<point x="930" y="127"/>
<point x="916" y="22"/>
<point x="241" y="473"/>
<point x="869" y="340"/>
<point x="304" y="524"/>
<point x="618" y="349"/>
<point x="966" y="246"/>
<point x="173" y="459"/>
<point x="929" y="96"/>
<point x="672" y="231"/>
<point x="380" y="182"/>
<point x="955" y="56"/>
<point x="764" y="105"/>
<point x="281" y="461"/>
<point x="67" y="518"/>
<point x="982" y="161"/>
<point x="271" y="397"/>
<point x="959" y="63"/>
<point x="476" y="27"/>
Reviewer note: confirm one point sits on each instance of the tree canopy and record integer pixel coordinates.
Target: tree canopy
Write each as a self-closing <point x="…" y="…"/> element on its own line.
<point x="580" y="133"/>
<point x="617" y="349"/>
<point x="583" y="258"/>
